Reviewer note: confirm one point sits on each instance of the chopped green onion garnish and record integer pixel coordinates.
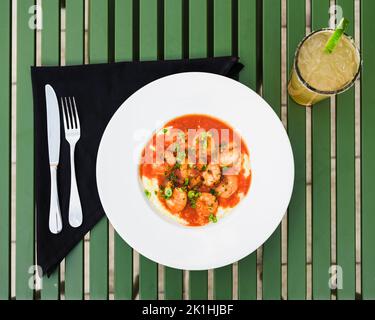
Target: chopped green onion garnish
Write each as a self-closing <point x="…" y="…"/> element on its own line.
<point x="212" y="218"/>
<point x="147" y="193"/>
<point x="213" y="192"/>
<point x="204" y="167"/>
<point x="191" y="194"/>
<point x="335" y="38"/>
<point x="165" y="130"/>
<point x="168" y="193"/>
<point x="186" y="183"/>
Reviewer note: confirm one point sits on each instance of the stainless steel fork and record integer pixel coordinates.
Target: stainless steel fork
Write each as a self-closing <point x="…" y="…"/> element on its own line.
<point x="72" y="135"/>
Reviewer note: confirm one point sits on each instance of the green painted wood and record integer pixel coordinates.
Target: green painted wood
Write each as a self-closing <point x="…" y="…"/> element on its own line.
<point x="321" y="177"/>
<point x="5" y="147"/>
<point x="296" y="22"/>
<point x="50" y="55"/>
<point x="173" y="278"/>
<point x="223" y="278"/>
<point x="98" y="52"/>
<point x="124" y="30"/>
<point x="345" y="177"/>
<point x="173" y="29"/>
<point x="74" y="52"/>
<point x="148" y="47"/>
<point x="247" y="51"/>
<point x="368" y="148"/>
<point x="25" y="152"/>
<point x="197" y="29"/>
<point x="272" y="94"/>
<point x="123" y="273"/>
<point x="198" y="280"/>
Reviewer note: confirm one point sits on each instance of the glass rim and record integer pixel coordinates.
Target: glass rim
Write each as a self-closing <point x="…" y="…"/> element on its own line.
<point x="310" y="87"/>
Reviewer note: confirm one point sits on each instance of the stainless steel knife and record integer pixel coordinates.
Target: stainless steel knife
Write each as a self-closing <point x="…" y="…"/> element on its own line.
<point x="53" y="130"/>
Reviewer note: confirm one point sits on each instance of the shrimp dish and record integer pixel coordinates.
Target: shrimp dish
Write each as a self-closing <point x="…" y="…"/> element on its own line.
<point x="195" y="169"/>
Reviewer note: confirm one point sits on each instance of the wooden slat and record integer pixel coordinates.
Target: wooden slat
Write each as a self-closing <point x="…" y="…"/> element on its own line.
<point x="223" y="46"/>
<point x="345" y="176"/>
<point x="50" y="56"/>
<point x="123" y="273"/>
<point x="368" y="148"/>
<point x="5" y="147"/>
<point x="173" y="50"/>
<point x="25" y="152"/>
<point x="198" y="280"/>
<point x="98" y="52"/>
<point x="74" y="51"/>
<point x="272" y="94"/>
<point x="247" y="51"/>
<point x="148" y="273"/>
<point x="296" y="24"/>
<point x="321" y="177"/>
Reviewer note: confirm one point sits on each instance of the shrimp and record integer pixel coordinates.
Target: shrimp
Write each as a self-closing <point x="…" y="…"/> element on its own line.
<point x="177" y="202"/>
<point x="175" y="153"/>
<point x="170" y="158"/>
<point x="229" y="156"/>
<point x="190" y="173"/>
<point x="195" y="181"/>
<point x="206" y="205"/>
<point x="184" y="171"/>
<point x="211" y="175"/>
<point x="227" y="187"/>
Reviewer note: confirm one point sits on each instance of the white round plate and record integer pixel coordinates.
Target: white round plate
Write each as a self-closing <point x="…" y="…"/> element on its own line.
<point x="248" y="225"/>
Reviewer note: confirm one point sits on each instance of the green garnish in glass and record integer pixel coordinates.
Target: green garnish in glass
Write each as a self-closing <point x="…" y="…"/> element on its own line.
<point x="168" y="193"/>
<point x="212" y="218"/>
<point x="336" y="36"/>
<point x="148" y="194"/>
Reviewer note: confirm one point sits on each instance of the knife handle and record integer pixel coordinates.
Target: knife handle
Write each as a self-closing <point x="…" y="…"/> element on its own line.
<point x="55" y="222"/>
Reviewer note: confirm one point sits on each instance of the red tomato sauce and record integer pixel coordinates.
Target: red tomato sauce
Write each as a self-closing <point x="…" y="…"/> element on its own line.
<point x="194" y="179"/>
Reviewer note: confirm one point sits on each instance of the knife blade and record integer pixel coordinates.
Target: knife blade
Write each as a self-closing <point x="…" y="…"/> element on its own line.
<point x="53" y="135"/>
<point x="53" y="125"/>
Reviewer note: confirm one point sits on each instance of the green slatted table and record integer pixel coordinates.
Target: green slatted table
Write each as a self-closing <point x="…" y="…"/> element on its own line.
<point x="126" y="30"/>
<point x="98" y="52"/>
<point x="74" y="54"/>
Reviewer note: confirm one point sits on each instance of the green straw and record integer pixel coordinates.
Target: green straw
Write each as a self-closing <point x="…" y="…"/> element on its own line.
<point x="335" y="38"/>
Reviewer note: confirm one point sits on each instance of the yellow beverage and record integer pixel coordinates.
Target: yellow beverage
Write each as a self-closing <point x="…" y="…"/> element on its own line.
<point x="316" y="74"/>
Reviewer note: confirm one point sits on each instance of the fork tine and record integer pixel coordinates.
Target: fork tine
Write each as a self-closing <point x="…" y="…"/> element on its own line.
<point x="76" y="113"/>
<point x="64" y="114"/>
<point x="74" y="123"/>
<point x="69" y="118"/>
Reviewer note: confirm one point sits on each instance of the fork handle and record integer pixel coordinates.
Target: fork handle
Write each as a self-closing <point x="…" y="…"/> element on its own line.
<point x="75" y="208"/>
<point x="55" y="222"/>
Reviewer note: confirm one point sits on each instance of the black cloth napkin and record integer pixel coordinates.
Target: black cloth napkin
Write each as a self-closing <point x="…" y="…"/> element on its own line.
<point x="99" y="90"/>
